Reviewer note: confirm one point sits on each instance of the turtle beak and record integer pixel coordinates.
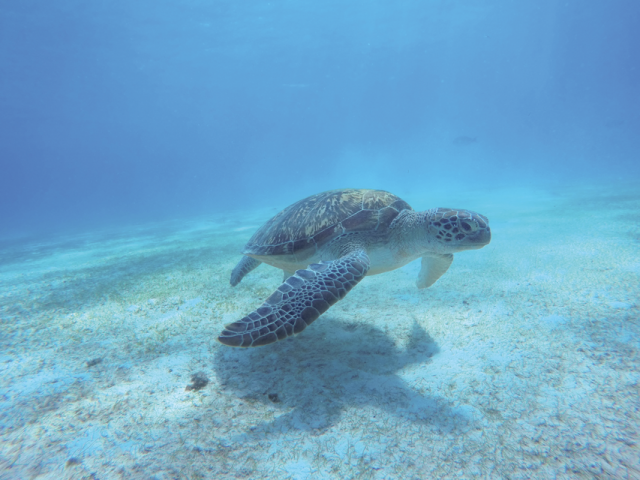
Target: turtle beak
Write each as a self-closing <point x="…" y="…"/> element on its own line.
<point x="481" y="238"/>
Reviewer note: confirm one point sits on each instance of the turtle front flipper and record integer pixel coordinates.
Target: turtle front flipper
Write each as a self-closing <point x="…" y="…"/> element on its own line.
<point x="301" y="299"/>
<point x="243" y="267"/>
<point x="433" y="267"/>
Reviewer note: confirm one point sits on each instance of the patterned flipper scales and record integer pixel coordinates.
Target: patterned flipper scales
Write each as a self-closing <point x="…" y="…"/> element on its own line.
<point x="296" y="303"/>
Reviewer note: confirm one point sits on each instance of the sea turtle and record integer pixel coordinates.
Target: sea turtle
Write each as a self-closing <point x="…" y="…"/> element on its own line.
<point x="328" y="242"/>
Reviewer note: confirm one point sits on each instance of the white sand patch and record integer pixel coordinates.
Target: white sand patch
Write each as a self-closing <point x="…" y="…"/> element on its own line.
<point x="248" y="227"/>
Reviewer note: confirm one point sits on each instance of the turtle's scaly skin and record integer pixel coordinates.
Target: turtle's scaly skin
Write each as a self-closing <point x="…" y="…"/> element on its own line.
<point x="296" y="303"/>
<point x="327" y="243"/>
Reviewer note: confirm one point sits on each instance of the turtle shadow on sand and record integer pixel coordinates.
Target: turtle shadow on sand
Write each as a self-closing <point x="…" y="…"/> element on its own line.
<point x="314" y="377"/>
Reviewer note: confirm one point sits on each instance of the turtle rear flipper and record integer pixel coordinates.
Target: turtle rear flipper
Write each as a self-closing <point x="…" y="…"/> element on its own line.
<point x="243" y="267"/>
<point x="301" y="299"/>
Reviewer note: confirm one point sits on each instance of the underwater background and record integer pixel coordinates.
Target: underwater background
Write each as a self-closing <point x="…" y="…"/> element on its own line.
<point x="117" y="112"/>
<point x="142" y="143"/>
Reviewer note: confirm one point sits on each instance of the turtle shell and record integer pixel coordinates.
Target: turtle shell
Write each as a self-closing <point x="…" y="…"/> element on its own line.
<point x="318" y="219"/>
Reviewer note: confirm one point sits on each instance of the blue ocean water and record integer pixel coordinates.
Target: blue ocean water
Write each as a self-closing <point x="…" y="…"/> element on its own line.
<point x="142" y="143"/>
<point x="126" y="111"/>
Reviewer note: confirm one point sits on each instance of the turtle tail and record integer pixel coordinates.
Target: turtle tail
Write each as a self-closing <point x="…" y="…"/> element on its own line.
<point x="296" y="303"/>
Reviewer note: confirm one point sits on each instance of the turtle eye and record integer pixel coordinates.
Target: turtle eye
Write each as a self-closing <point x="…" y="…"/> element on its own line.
<point x="466" y="227"/>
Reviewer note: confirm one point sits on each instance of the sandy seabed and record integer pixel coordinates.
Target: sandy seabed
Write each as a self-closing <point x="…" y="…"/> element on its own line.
<point x="521" y="362"/>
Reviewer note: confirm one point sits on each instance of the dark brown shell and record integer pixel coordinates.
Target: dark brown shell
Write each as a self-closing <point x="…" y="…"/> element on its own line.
<point x="317" y="219"/>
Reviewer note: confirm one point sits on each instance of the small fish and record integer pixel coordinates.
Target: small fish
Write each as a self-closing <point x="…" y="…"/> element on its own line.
<point x="463" y="140"/>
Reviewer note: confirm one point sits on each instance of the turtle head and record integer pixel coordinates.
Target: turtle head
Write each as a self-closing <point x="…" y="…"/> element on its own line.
<point x="458" y="230"/>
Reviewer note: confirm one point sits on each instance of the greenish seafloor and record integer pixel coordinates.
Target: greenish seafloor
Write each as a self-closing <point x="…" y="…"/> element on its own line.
<point x="521" y="362"/>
